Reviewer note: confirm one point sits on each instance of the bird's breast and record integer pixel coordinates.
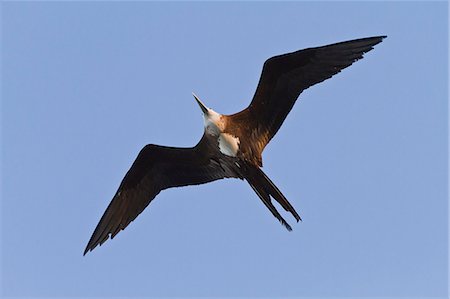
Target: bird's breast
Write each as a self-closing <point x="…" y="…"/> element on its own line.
<point x="228" y="144"/>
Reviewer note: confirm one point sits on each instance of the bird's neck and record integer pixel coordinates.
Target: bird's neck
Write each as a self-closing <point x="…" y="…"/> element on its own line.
<point x="214" y="122"/>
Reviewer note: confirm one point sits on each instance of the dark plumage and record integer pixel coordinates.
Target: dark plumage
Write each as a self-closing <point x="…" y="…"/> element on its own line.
<point x="232" y="145"/>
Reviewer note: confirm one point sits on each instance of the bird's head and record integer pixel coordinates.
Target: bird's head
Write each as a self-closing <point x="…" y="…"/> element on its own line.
<point x="213" y="120"/>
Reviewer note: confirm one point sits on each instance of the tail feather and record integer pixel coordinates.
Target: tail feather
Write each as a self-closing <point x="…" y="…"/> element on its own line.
<point x="279" y="197"/>
<point x="265" y="189"/>
<point x="268" y="203"/>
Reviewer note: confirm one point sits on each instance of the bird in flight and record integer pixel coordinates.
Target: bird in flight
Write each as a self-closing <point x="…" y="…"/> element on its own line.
<point x="231" y="145"/>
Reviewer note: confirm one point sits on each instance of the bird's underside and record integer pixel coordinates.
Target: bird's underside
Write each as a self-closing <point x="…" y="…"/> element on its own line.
<point x="231" y="145"/>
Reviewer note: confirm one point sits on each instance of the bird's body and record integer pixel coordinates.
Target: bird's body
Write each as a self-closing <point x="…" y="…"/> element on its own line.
<point x="232" y="145"/>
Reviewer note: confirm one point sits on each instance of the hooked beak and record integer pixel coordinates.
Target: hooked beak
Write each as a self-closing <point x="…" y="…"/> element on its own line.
<point x="202" y="106"/>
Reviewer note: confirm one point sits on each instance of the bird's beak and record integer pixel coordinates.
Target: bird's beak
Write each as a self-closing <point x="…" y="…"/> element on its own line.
<point x="202" y="106"/>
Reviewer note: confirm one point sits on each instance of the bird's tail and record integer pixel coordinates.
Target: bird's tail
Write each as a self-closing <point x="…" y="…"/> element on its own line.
<point x="265" y="189"/>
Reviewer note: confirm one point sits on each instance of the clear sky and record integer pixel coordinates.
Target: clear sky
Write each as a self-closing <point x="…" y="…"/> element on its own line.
<point x="362" y="156"/>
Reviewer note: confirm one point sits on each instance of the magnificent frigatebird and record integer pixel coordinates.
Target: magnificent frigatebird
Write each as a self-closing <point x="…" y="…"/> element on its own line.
<point x="231" y="145"/>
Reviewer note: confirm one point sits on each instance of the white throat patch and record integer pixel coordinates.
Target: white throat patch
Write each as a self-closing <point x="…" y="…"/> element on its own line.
<point x="213" y="122"/>
<point x="228" y="144"/>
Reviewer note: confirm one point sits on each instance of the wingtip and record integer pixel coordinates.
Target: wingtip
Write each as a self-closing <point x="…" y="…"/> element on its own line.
<point x="90" y="246"/>
<point x="378" y="36"/>
<point x="382" y="37"/>
<point x="88" y="249"/>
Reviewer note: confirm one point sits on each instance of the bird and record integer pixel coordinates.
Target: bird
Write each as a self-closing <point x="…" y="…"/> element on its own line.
<point x="231" y="145"/>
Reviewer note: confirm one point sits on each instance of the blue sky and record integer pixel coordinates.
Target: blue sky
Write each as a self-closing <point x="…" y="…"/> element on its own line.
<point x="362" y="156"/>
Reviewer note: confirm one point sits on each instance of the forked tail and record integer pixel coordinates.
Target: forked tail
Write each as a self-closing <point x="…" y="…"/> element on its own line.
<point x="265" y="189"/>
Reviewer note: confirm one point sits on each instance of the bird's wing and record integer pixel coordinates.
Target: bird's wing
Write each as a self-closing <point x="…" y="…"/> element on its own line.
<point x="156" y="168"/>
<point x="284" y="77"/>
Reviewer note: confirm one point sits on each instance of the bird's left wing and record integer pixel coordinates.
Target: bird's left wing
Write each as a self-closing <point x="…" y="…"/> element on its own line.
<point x="156" y="168"/>
<point x="284" y="77"/>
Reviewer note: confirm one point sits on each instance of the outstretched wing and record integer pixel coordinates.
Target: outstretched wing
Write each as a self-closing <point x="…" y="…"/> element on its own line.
<point x="284" y="77"/>
<point x="156" y="168"/>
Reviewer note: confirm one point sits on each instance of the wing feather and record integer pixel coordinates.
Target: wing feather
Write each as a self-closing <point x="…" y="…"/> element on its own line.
<point x="282" y="80"/>
<point x="156" y="168"/>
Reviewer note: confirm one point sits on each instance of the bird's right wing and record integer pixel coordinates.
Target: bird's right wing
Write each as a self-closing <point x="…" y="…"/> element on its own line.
<point x="284" y="77"/>
<point x="156" y="168"/>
